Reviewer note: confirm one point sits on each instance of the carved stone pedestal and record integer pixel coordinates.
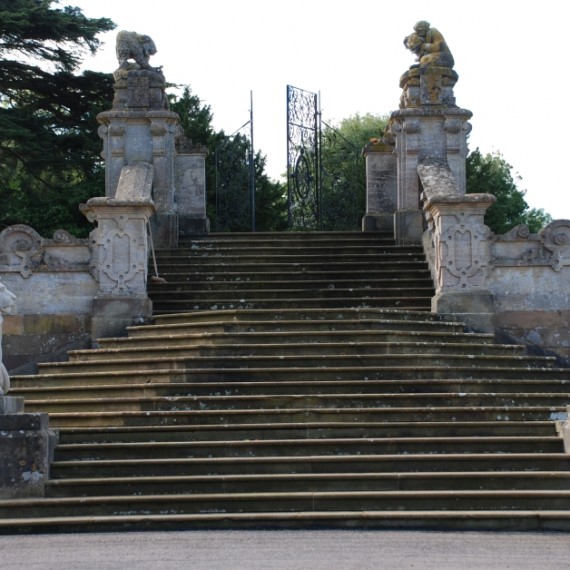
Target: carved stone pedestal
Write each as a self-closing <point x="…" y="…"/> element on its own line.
<point x="461" y="256"/>
<point x="121" y="255"/>
<point x="26" y="450"/>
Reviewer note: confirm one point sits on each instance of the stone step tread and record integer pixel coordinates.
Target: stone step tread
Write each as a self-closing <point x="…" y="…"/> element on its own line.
<point x="559" y="411"/>
<point x="249" y="360"/>
<point x="258" y="245"/>
<point x="396" y="315"/>
<point x="501" y="386"/>
<point x="191" y="320"/>
<point x="293" y="288"/>
<point x="386" y="459"/>
<point x="179" y="333"/>
<point x="253" y="350"/>
<point x="114" y="499"/>
<point x="307" y="442"/>
<point x="138" y="484"/>
<point x="280" y="374"/>
<point x="314" y="430"/>
<point x="310" y="476"/>
<point x="437" y="520"/>
<point x="364" y="291"/>
<point x="351" y="253"/>
<point x="403" y="300"/>
<point x="294" y="275"/>
<point x="274" y="399"/>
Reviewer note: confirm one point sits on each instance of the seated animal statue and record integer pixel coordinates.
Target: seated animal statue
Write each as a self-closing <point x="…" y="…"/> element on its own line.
<point x="137" y="47"/>
<point x="7" y="301"/>
<point x="430" y="47"/>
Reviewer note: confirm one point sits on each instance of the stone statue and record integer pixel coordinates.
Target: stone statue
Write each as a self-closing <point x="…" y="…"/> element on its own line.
<point x="429" y="46"/>
<point x="137" y="47"/>
<point x="7" y="301"/>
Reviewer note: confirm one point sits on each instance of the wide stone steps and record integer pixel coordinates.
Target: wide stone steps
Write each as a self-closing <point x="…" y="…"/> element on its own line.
<point x="291" y="272"/>
<point x="311" y="404"/>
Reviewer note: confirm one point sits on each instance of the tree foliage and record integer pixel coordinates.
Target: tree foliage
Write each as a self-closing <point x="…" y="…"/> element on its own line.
<point x="343" y="183"/>
<point x="228" y="173"/>
<point x="491" y="174"/>
<point x="49" y="148"/>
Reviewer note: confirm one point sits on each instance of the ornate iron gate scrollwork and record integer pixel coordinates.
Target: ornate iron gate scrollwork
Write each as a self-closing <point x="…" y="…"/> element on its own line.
<point x="303" y="159"/>
<point x="325" y="171"/>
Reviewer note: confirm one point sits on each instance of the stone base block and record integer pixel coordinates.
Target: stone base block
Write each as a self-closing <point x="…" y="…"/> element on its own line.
<point x="11" y="405"/>
<point x="165" y="230"/>
<point x="113" y="314"/>
<point x="378" y="223"/>
<point x="193" y="226"/>
<point x="408" y="227"/>
<point x="475" y="309"/>
<point x="26" y="451"/>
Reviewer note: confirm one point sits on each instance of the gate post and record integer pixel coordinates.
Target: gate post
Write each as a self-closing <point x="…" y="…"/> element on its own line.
<point x="190" y="167"/>
<point x="381" y="187"/>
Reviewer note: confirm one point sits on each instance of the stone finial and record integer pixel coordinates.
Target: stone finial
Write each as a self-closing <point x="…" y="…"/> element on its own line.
<point x="7" y="301"/>
<point x="429" y="47"/>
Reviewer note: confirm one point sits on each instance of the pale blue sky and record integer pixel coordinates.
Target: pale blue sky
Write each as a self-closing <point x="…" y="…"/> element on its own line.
<point x="511" y="59"/>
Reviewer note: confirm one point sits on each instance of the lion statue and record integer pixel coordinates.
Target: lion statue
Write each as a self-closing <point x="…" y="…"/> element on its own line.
<point x="7" y="301"/>
<point x="137" y="47"/>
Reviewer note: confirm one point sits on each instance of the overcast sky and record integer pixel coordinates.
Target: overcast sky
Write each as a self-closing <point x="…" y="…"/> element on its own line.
<point x="512" y="61"/>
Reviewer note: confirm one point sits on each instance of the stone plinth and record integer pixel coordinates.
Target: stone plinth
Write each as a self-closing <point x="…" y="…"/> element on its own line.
<point x="26" y="450"/>
<point x="381" y="187"/>
<point x="429" y="85"/>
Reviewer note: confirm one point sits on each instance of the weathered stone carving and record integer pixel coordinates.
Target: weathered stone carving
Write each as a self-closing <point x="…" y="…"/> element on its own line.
<point x="555" y="239"/>
<point x="138" y="47"/>
<point x="7" y="302"/>
<point x="21" y="249"/>
<point x="429" y="46"/>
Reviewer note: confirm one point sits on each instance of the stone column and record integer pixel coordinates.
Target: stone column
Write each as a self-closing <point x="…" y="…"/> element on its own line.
<point x="428" y="127"/>
<point x="140" y="128"/>
<point x="381" y="187"/>
<point x="191" y="188"/>
<point x="120" y="261"/>
<point x="461" y="257"/>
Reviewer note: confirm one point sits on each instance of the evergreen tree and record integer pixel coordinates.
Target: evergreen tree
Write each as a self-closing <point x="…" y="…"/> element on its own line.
<point x="49" y="148"/>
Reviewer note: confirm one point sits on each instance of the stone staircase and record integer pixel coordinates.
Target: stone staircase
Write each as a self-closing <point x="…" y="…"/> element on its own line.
<point x="299" y="381"/>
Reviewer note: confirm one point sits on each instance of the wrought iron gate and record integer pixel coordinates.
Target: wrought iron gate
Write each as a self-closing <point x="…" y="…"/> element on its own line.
<point x="325" y="171"/>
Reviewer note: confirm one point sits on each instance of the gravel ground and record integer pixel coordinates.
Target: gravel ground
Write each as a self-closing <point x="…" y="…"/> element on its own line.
<point x="286" y="550"/>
